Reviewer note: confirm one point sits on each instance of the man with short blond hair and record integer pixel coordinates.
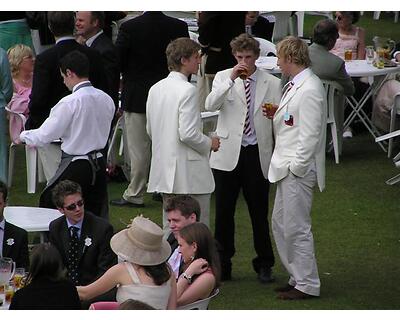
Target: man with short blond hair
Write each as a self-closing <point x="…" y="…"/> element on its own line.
<point x="180" y="150"/>
<point x="297" y="164"/>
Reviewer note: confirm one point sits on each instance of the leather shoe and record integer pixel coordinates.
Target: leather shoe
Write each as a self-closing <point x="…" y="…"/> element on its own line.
<point x="286" y="288"/>
<point x="294" y="294"/>
<point x="123" y="203"/>
<point x="265" y="275"/>
<point x="157" y="197"/>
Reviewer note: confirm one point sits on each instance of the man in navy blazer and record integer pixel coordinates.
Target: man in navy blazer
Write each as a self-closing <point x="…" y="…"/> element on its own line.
<point x="89" y="25"/>
<point x="13" y="240"/>
<point x="141" y="45"/>
<point x="94" y="253"/>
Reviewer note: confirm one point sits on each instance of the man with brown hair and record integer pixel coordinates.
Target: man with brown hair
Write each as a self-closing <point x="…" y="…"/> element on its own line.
<point x="246" y="149"/>
<point x="180" y="150"/>
<point x="297" y="164"/>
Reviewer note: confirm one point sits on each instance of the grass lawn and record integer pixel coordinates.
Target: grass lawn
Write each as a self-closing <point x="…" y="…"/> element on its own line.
<point x="356" y="225"/>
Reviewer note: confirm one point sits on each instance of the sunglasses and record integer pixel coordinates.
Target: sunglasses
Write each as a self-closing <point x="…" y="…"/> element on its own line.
<point x="339" y="18"/>
<point x="73" y="206"/>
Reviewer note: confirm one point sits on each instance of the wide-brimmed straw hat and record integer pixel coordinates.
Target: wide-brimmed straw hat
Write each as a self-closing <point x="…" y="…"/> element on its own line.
<point x="142" y="243"/>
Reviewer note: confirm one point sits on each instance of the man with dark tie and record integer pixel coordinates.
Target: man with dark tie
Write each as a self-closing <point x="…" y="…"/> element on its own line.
<point x="13" y="240"/>
<point x="82" y="121"/>
<point x="82" y="239"/>
<point x="242" y="161"/>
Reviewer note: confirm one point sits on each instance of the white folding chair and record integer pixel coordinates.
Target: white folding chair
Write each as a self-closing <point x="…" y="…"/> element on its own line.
<point x="266" y="47"/>
<point x="333" y="91"/>
<point x="32" y="166"/>
<point x="200" y="304"/>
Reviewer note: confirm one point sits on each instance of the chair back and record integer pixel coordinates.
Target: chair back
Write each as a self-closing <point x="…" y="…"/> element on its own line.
<point x="17" y="124"/>
<point x="199" y="304"/>
<point x="332" y="91"/>
<point x="266" y="47"/>
<point x="104" y="305"/>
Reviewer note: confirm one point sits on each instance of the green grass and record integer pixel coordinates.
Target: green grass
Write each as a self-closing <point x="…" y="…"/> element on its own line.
<point x="356" y="223"/>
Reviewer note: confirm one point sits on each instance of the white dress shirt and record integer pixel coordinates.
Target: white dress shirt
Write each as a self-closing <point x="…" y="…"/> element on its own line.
<point x="81" y="120"/>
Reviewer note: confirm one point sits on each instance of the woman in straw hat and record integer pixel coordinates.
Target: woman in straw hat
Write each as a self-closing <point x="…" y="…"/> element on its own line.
<point x="201" y="264"/>
<point x="145" y="274"/>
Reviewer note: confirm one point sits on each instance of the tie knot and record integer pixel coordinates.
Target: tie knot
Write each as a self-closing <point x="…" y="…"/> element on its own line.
<point x="73" y="230"/>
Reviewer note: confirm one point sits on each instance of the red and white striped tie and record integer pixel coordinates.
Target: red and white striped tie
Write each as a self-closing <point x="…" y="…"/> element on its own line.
<point x="247" y="128"/>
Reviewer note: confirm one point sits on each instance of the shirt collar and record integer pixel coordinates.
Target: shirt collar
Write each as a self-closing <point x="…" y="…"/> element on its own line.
<point x="80" y="84"/>
<point x="89" y="41"/>
<point x="3" y="224"/>
<point x="77" y="225"/>
<point x="64" y="38"/>
<point x="299" y="77"/>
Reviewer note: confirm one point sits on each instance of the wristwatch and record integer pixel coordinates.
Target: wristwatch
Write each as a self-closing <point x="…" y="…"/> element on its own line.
<point x="187" y="277"/>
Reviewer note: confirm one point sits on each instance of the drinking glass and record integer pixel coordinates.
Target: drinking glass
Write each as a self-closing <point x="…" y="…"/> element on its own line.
<point x="348" y="54"/>
<point x="269" y="109"/>
<point x="8" y="292"/>
<point x="18" y="277"/>
<point x="369" y="54"/>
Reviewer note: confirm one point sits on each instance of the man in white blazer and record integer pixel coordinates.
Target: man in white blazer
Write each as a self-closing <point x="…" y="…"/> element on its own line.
<point x="297" y="164"/>
<point x="180" y="151"/>
<point x="243" y="159"/>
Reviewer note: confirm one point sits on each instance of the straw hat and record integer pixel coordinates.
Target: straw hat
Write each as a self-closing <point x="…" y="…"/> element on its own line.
<point x="142" y="243"/>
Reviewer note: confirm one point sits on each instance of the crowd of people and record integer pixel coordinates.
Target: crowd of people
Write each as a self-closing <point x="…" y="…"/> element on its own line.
<point x="69" y="95"/>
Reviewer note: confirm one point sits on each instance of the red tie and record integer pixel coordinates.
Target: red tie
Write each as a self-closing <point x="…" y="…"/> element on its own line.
<point x="247" y="128"/>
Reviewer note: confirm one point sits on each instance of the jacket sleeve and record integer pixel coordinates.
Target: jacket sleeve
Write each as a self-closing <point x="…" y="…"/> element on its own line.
<point x="6" y="84"/>
<point x="345" y="81"/>
<point x="106" y="257"/>
<point x="219" y="92"/>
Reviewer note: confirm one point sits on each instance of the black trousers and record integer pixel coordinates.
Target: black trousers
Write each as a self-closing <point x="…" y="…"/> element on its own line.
<point x="247" y="176"/>
<point x="80" y="171"/>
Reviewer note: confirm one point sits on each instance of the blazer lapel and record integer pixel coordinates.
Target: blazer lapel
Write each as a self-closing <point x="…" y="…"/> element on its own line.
<point x="85" y="234"/>
<point x="7" y="235"/>
<point x="261" y="89"/>
<point x="239" y="88"/>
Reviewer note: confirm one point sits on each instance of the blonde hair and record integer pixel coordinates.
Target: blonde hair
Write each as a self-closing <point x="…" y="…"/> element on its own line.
<point x="15" y="56"/>
<point x="244" y="42"/>
<point x="178" y="49"/>
<point x="295" y="50"/>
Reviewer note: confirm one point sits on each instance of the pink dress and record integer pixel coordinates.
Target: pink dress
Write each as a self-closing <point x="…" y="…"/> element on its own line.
<point x="346" y="41"/>
<point x="19" y="104"/>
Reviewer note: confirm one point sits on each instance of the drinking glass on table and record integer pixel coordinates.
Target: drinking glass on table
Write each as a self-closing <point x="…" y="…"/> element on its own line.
<point x="369" y="54"/>
<point x="348" y="54"/>
<point x="18" y="278"/>
<point x="9" y="292"/>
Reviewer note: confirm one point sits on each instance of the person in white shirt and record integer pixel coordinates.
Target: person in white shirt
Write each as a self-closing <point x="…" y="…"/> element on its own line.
<point x="297" y="164"/>
<point x="180" y="150"/>
<point x="82" y="121"/>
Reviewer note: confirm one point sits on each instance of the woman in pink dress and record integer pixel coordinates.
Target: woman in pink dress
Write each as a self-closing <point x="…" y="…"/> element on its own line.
<point x="350" y="36"/>
<point x="21" y="64"/>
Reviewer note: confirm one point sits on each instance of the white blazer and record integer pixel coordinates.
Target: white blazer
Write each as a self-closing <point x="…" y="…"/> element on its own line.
<point x="180" y="151"/>
<point x="298" y="146"/>
<point x="231" y="101"/>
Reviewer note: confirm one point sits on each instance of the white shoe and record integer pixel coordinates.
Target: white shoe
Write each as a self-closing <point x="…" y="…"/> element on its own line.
<point x="348" y="134"/>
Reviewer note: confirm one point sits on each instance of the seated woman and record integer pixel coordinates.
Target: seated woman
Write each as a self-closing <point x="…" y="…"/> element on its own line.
<point x="201" y="264"/>
<point x="47" y="287"/>
<point x="21" y="64"/>
<point x="145" y="274"/>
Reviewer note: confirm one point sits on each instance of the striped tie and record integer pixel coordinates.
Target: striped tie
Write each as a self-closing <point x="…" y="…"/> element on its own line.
<point x="247" y="128"/>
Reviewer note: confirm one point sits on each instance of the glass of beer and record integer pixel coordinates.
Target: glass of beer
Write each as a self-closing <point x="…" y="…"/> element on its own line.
<point x="348" y="54"/>
<point x="18" y="277"/>
<point x="8" y="292"/>
<point x="269" y="109"/>
<point x="243" y="74"/>
<point x="369" y="54"/>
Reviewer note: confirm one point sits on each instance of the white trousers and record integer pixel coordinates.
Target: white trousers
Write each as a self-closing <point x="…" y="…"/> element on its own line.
<point x="204" y="202"/>
<point x="291" y="227"/>
<point x="139" y="148"/>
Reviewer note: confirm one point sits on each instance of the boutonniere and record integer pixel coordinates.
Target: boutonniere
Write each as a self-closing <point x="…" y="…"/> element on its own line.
<point x="10" y="241"/>
<point x="88" y="241"/>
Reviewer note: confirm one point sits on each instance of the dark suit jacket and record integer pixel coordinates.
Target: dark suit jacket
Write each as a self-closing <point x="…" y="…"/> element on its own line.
<point x="216" y="30"/>
<point x="172" y="242"/>
<point x="45" y="294"/>
<point x="18" y="251"/>
<point x="263" y="28"/>
<point x="108" y="52"/>
<point x="141" y="44"/>
<point x="48" y="86"/>
<point x="96" y="258"/>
